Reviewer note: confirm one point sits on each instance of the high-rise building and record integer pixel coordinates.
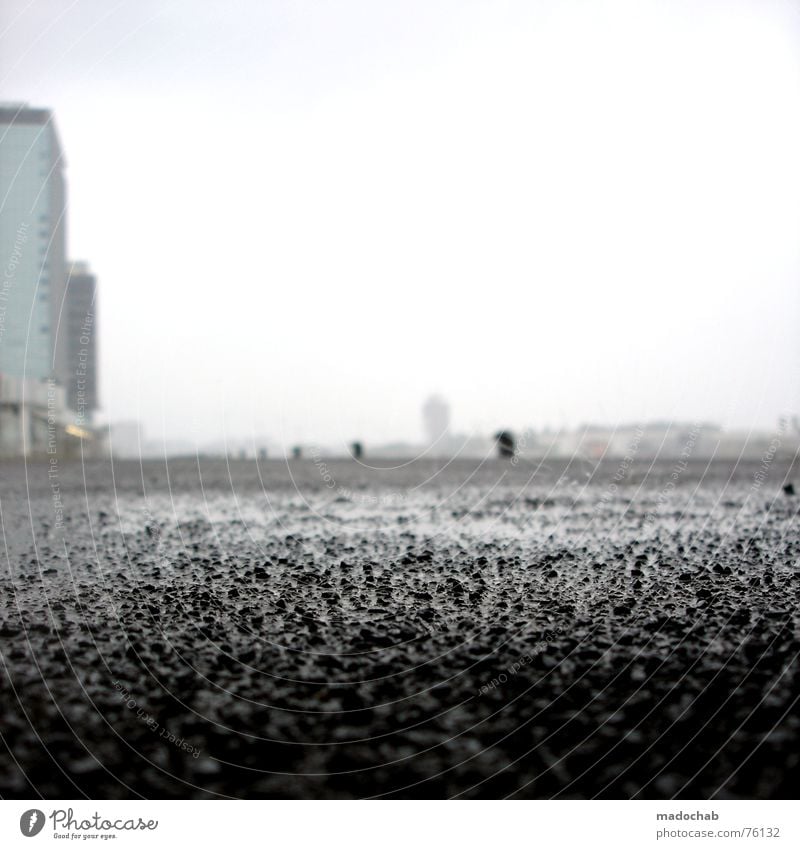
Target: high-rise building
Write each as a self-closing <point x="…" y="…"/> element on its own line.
<point x="32" y="242"/>
<point x="77" y="330"/>
<point x="41" y="360"/>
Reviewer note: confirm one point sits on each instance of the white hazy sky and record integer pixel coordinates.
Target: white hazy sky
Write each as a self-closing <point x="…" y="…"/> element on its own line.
<point x="308" y="216"/>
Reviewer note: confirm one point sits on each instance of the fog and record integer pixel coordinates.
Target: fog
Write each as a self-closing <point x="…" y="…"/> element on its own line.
<point x="306" y="218"/>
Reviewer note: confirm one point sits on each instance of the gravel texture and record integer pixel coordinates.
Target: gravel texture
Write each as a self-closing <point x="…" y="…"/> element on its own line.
<point x="325" y="629"/>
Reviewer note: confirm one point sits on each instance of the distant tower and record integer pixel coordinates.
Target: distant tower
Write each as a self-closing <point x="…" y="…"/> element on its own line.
<point x="435" y="418"/>
<point x="79" y="327"/>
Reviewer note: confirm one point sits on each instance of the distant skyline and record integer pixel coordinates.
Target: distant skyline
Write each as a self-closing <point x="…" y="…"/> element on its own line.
<point x="306" y="218"/>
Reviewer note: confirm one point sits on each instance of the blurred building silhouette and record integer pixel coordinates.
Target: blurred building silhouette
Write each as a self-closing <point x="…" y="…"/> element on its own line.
<point x="435" y="419"/>
<point x="32" y="240"/>
<point x="78" y="367"/>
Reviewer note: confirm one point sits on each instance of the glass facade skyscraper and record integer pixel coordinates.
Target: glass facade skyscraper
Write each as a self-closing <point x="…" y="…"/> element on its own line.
<point x="32" y="242"/>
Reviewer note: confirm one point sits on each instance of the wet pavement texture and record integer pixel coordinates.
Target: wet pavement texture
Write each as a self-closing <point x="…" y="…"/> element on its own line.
<point x="325" y="629"/>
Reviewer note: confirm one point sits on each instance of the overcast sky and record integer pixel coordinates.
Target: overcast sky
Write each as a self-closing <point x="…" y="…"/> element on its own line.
<point x="308" y="216"/>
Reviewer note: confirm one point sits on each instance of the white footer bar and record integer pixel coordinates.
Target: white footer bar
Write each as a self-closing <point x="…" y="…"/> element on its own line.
<point x="400" y="825"/>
